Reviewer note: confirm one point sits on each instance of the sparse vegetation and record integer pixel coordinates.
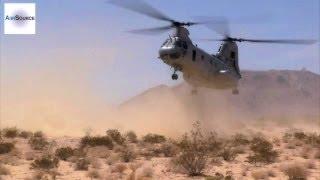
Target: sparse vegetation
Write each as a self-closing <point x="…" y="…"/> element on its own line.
<point x="38" y="141"/>
<point x="4" y="170"/>
<point x="153" y="138"/>
<point x="6" y="147"/>
<point x="25" y="134"/>
<point x="82" y="164"/>
<point x="11" y="132"/>
<point x="228" y="154"/>
<point x="263" y="151"/>
<point x="64" y="153"/>
<point x="94" y="174"/>
<point x="127" y="154"/>
<point x="295" y="172"/>
<point x="45" y="162"/>
<point x="96" y="141"/>
<point x="194" y="152"/>
<point x="116" y="136"/>
<point x="131" y="137"/>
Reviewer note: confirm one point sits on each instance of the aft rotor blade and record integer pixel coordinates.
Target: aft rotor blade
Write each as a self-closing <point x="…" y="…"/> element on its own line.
<point x="155" y="30"/>
<point x="218" y="24"/>
<point x="280" y="41"/>
<point x="141" y="7"/>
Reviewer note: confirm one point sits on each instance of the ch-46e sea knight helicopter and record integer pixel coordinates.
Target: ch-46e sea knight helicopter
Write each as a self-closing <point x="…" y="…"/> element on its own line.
<point x="199" y="68"/>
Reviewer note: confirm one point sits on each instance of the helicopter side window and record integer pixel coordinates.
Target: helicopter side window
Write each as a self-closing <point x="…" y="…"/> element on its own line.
<point x="233" y="55"/>
<point x="194" y="55"/>
<point x="184" y="45"/>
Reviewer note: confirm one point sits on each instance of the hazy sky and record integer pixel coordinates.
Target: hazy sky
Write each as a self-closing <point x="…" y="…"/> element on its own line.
<point x="84" y="42"/>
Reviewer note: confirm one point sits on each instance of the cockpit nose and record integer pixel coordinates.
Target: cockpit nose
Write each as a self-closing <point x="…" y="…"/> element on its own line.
<point x="169" y="53"/>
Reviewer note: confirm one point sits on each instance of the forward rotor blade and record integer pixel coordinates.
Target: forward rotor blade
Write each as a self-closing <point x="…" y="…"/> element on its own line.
<point x="155" y="30"/>
<point x="218" y="24"/>
<point x="141" y="7"/>
<point x="280" y="41"/>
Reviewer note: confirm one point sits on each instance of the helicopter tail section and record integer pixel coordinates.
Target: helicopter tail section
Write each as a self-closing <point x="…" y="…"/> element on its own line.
<point x="228" y="52"/>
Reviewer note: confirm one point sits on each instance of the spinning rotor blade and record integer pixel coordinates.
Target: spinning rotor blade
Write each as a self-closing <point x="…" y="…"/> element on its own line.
<point x="218" y="24"/>
<point x="278" y="41"/>
<point x="281" y="41"/>
<point x="141" y="7"/>
<point x="151" y="30"/>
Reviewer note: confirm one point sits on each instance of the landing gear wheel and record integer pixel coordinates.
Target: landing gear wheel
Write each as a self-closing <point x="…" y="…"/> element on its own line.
<point x="174" y="76"/>
<point x="235" y="91"/>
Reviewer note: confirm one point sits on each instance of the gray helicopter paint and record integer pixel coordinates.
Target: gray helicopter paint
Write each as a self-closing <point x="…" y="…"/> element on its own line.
<point x="205" y="70"/>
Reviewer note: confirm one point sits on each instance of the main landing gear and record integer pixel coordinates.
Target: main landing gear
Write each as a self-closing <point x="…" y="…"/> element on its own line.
<point x="174" y="75"/>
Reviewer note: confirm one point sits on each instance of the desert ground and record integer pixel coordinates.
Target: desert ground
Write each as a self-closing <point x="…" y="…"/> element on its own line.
<point x="268" y="153"/>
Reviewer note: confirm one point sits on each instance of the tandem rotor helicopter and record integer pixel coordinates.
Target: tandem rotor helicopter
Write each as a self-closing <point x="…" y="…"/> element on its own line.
<point x="199" y="68"/>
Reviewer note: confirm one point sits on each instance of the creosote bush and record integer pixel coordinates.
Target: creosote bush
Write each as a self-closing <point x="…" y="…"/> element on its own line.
<point x="25" y="134"/>
<point x="116" y="136"/>
<point x="263" y="151"/>
<point x="82" y="164"/>
<point x="127" y="154"/>
<point x="131" y="137"/>
<point x="153" y="138"/>
<point x="11" y="132"/>
<point x="64" y="153"/>
<point x="194" y="152"/>
<point x="96" y="141"/>
<point x="38" y="142"/>
<point x="6" y="147"/>
<point x="45" y="162"/>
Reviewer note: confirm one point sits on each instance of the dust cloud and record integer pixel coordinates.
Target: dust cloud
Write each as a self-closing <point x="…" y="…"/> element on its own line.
<point x="58" y="99"/>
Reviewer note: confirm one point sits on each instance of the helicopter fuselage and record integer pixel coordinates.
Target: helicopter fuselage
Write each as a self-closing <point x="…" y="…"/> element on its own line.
<point x="199" y="68"/>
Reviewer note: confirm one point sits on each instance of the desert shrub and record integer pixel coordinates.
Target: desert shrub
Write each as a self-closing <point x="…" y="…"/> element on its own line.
<point x="64" y="153"/>
<point x="317" y="154"/>
<point x="263" y="151"/>
<point x="119" y="168"/>
<point x="82" y="164"/>
<point x="45" y="162"/>
<point x="153" y="138"/>
<point x="38" y="142"/>
<point x="131" y="137"/>
<point x="94" y="174"/>
<point x="116" y="136"/>
<point x="38" y="134"/>
<point x="239" y="139"/>
<point x="295" y="172"/>
<point x="6" y="147"/>
<point x="25" y="134"/>
<point x="11" y="132"/>
<point x="214" y="144"/>
<point x="299" y="135"/>
<point x="96" y="141"/>
<point x="228" y="154"/>
<point x="169" y="149"/>
<point x="4" y="170"/>
<point x="127" y="154"/>
<point x="194" y="152"/>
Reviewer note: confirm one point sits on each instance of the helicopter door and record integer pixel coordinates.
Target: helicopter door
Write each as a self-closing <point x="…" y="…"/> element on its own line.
<point x="194" y="53"/>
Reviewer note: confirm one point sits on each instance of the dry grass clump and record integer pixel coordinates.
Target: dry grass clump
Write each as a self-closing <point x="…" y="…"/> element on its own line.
<point x="38" y="141"/>
<point x="127" y="154"/>
<point x="96" y="141"/>
<point x="228" y="153"/>
<point x="153" y="138"/>
<point x="4" y="170"/>
<point x="64" y="153"/>
<point x="119" y="168"/>
<point x="6" y="147"/>
<point x="239" y="139"/>
<point x="25" y="134"/>
<point x="82" y="164"/>
<point x="194" y="152"/>
<point x="45" y="162"/>
<point x="262" y="151"/>
<point x="116" y="136"/>
<point x="295" y="171"/>
<point x="131" y="136"/>
<point x="263" y="174"/>
<point x="11" y="132"/>
<point x="94" y="174"/>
